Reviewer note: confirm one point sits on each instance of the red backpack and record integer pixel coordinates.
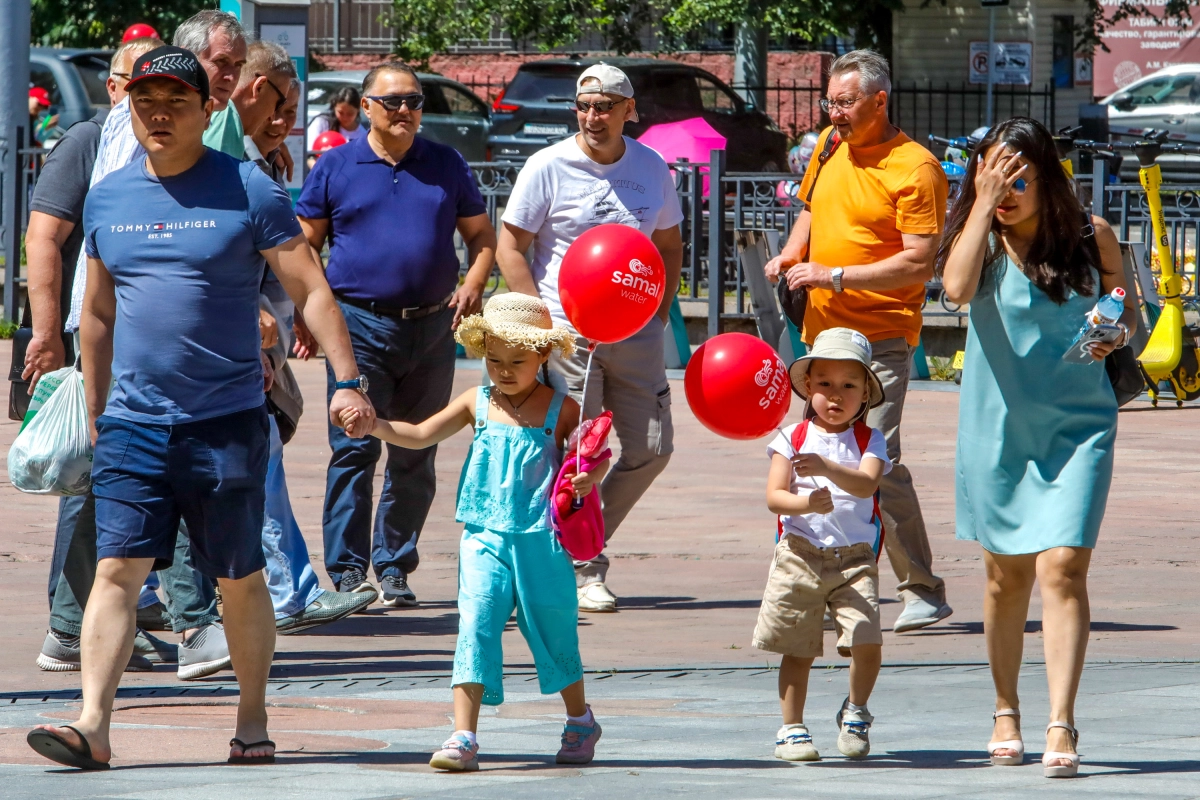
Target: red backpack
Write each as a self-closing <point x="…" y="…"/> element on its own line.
<point x="862" y="437"/>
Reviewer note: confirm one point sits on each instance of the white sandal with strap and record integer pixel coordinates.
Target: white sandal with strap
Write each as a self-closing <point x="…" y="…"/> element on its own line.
<point x="1071" y="770"/>
<point x="1017" y="745"/>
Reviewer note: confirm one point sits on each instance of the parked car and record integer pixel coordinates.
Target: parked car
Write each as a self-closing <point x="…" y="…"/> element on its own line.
<point x="452" y="115"/>
<point x="537" y="108"/>
<point x="74" y="79"/>
<point x="1165" y="100"/>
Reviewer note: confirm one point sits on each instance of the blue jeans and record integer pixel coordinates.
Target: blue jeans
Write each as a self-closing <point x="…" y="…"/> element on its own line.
<point x="410" y="367"/>
<point x="290" y="577"/>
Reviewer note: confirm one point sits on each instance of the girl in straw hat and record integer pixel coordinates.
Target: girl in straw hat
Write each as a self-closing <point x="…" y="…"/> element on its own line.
<point x="508" y="556"/>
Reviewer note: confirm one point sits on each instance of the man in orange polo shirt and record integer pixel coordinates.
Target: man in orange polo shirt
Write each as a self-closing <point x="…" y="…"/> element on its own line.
<point x="865" y="246"/>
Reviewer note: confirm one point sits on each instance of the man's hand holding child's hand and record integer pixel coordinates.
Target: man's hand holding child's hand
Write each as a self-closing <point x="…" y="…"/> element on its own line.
<point x="351" y="418"/>
<point x="809" y="465"/>
<point x="820" y="501"/>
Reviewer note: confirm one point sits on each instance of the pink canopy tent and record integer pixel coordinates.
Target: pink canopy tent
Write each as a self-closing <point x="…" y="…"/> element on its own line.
<point x="690" y="138"/>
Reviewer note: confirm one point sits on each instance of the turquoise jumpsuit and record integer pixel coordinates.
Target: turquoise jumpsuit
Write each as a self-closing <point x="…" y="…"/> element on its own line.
<point x="510" y="559"/>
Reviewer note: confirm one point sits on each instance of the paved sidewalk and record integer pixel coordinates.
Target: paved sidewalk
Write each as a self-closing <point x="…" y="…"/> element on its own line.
<point x="706" y="733"/>
<point x="689" y="565"/>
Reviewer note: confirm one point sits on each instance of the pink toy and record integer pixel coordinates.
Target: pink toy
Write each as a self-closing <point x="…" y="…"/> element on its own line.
<point x="579" y="524"/>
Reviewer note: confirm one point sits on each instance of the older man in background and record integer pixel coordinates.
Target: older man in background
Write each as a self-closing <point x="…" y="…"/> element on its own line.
<point x="219" y="42"/>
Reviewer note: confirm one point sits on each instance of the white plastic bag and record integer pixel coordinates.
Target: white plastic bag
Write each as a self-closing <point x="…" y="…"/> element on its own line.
<point x="42" y="391"/>
<point x="53" y="452"/>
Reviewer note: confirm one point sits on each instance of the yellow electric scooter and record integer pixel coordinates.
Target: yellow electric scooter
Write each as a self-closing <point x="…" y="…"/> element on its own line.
<point x="1171" y="354"/>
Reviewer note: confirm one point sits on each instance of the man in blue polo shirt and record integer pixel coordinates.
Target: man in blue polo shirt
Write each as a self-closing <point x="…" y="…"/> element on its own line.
<point x="389" y="204"/>
<point x="177" y="244"/>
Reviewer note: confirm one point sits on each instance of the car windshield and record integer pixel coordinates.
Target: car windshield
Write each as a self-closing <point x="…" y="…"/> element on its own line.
<point x="1165" y="90"/>
<point x="93" y="70"/>
<point x="537" y="85"/>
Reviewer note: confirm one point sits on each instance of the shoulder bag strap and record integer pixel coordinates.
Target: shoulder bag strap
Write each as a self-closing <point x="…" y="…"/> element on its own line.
<point x="831" y="143"/>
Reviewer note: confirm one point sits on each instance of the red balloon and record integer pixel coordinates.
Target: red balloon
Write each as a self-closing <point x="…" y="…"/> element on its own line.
<point x="139" y="30"/>
<point x="328" y="140"/>
<point x="738" y="386"/>
<point x="611" y="282"/>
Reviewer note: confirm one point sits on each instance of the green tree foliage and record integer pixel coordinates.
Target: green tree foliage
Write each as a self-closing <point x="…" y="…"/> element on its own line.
<point x="100" y="23"/>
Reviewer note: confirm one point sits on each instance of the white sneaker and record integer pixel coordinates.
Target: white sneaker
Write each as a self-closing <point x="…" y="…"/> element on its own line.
<point x="853" y="739"/>
<point x="596" y="597"/>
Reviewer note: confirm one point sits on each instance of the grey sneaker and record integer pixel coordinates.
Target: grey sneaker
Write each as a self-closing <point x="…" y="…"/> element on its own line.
<point x="60" y="653"/>
<point x="328" y="607"/>
<point x="793" y="743"/>
<point x="154" y="618"/>
<point x="853" y="741"/>
<point x="353" y="580"/>
<point x="205" y="653"/>
<point x="396" y="593"/>
<point x="155" y="650"/>
<point x="919" y="613"/>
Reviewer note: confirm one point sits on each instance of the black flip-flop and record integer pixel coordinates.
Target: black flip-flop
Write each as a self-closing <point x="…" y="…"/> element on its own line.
<point x="247" y="761"/>
<point x="54" y="747"/>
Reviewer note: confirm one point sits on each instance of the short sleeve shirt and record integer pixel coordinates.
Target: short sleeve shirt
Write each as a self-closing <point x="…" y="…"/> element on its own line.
<point x="225" y="132"/>
<point x="850" y="523"/>
<point x="391" y="227"/>
<point x="61" y="189"/>
<point x="560" y="194"/>
<point x="866" y="198"/>
<point x="185" y="255"/>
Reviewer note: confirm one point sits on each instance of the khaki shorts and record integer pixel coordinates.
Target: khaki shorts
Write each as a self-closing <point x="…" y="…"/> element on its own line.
<point x="804" y="580"/>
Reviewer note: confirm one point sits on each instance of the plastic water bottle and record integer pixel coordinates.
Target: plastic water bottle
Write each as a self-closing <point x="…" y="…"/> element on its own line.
<point x="1108" y="309"/>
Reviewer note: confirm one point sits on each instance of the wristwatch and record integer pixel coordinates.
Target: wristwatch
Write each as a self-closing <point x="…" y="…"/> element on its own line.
<point x="837" y="273"/>
<point x="1125" y="337"/>
<point x="360" y="383"/>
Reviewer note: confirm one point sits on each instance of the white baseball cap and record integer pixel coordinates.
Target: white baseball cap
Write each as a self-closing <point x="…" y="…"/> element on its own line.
<point x="605" y="79"/>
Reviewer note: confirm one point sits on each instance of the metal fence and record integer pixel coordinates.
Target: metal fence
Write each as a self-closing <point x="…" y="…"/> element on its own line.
<point x="19" y="193"/>
<point x="951" y="111"/>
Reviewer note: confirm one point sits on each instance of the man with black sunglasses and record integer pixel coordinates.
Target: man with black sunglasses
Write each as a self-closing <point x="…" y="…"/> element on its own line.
<point x="258" y="96"/>
<point x="389" y="203"/>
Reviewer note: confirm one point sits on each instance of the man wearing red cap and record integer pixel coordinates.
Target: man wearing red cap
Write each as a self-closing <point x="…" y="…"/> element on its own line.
<point x="139" y="30"/>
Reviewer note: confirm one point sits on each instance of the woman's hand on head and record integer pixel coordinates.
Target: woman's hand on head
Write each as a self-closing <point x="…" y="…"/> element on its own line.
<point x="995" y="175"/>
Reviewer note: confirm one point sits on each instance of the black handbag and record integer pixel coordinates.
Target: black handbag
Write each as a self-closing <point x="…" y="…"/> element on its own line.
<point x="793" y="302"/>
<point x="18" y="388"/>
<point x="1125" y="375"/>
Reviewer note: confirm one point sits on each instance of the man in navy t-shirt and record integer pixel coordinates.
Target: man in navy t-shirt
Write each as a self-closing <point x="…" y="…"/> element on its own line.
<point x="389" y="204"/>
<point x="177" y="244"/>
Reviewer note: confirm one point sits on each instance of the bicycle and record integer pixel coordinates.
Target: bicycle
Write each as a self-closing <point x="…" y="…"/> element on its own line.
<point x="1171" y="354"/>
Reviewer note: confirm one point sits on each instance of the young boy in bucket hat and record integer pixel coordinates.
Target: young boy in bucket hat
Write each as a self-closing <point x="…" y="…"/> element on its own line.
<point x="823" y="484"/>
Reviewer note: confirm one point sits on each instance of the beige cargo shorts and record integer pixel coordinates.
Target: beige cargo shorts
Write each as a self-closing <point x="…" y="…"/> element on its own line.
<point x="804" y="581"/>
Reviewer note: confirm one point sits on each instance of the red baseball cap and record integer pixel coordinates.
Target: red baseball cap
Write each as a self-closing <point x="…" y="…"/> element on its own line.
<point x="41" y="95"/>
<point x="139" y="30"/>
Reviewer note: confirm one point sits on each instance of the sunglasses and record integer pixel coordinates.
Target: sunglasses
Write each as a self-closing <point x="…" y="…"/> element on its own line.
<point x="1021" y="185"/>
<point x="282" y="95"/>
<point x="394" y="102"/>
<point x="600" y="106"/>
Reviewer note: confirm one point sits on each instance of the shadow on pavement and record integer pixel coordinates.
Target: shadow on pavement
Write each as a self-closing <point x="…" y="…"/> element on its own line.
<point x="1035" y="626"/>
<point x="344" y="668"/>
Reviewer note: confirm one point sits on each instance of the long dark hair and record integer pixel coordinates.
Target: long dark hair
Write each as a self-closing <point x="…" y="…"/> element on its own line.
<point x="1064" y="254"/>
<point x="346" y="94"/>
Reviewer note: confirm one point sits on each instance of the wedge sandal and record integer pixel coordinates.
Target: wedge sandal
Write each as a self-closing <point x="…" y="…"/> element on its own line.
<point x="1071" y="769"/>
<point x="1016" y="745"/>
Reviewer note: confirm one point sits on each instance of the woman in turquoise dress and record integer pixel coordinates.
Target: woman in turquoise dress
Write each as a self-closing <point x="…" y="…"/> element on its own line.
<point x="1035" y="433"/>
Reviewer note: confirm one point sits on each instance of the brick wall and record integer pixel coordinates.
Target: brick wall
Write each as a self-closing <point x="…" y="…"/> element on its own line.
<point x="487" y="72"/>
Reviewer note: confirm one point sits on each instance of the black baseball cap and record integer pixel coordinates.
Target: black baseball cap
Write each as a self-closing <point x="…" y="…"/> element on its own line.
<point x="174" y="63"/>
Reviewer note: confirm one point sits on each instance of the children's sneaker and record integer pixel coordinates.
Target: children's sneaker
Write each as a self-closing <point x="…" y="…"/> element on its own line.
<point x="853" y="741"/>
<point x="793" y="743"/>
<point x="457" y="755"/>
<point x="578" y="743"/>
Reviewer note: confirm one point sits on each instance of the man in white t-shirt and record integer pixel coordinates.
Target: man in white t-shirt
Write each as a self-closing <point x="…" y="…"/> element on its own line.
<point x="596" y="177"/>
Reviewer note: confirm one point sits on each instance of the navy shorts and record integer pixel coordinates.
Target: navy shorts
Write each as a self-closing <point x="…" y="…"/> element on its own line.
<point x="212" y="473"/>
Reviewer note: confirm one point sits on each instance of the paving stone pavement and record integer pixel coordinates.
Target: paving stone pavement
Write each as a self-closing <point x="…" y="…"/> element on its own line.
<point x="358" y="706"/>
<point x="703" y="733"/>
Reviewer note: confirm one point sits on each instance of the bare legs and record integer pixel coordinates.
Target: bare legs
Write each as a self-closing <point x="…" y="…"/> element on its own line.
<point x="250" y="630"/>
<point x="469" y="696"/>
<point x="865" y="660"/>
<point x="1066" y="617"/>
<point x="107" y="643"/>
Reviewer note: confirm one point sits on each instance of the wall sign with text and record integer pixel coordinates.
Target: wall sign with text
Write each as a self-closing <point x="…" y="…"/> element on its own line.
<point x="1013" y="63"/>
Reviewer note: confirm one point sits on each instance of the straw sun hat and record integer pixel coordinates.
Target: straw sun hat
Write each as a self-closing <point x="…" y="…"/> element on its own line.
<point x="518" y="319"/>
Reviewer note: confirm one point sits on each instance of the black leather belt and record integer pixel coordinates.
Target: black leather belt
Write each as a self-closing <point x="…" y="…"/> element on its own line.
<point x="381" y="310"/>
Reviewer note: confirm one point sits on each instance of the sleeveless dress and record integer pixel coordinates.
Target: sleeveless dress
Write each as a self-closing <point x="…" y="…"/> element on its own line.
<point x="510" y="559"/>
<point x="1034" y="458"/>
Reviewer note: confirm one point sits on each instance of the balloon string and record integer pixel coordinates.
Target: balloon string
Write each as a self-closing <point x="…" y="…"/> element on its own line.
<point x="582" y="400"/>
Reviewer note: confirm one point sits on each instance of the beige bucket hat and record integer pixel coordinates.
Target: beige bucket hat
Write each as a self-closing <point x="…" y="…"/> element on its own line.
<point x="838" y="344"/>
<point x="518" y="319"/>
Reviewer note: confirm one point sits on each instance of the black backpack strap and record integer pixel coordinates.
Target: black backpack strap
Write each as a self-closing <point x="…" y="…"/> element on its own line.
<point x="831" y="143"/>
